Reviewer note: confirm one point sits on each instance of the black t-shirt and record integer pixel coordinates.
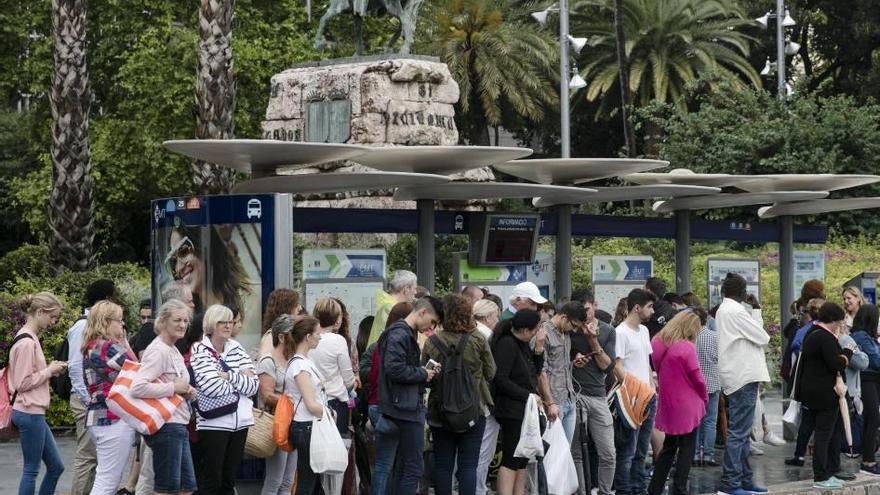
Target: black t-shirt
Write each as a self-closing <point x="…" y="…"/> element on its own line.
<point x="143" y="338"/>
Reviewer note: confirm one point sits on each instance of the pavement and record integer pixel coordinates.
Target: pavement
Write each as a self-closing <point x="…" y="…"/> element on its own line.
<point x="769" y="468"/>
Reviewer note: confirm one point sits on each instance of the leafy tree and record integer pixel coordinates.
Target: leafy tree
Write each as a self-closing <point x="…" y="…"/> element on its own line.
<point x="669" y="43"/>
<point x="500" y="60"/>
<point x="751" y="132"/>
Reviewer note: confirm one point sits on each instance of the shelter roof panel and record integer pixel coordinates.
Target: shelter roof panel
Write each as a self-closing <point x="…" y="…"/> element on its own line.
<point x="336" y="182"/>
<point x="262" y="155"/>
<point x="729" y="200"/>
<point x="683" y="176"/>
<point x="463" y="191"/>
<point x="444" y="160"/>
<point x="575" y="170"/>
<point x="805" y="182"/>
<point x="630" y="193"/>
<point x="818" y="206"/>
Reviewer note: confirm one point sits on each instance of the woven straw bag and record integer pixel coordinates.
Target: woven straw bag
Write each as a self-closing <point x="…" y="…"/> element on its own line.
<point x="259" y="438"/>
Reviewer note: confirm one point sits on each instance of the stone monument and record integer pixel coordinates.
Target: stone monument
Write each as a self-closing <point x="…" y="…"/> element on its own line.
<point x="379" y="101"/>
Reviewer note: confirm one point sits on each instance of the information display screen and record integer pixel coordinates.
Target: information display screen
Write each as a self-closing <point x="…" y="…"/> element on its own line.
<point x="505" y="240"/>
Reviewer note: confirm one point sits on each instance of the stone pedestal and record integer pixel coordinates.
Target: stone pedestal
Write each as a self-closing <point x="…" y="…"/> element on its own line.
<point x="373" y="101"/>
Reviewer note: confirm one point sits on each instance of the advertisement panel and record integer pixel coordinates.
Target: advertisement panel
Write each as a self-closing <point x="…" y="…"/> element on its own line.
<point x="343" y="263"/>
<point x="223" y="248"/>
<point x="502" y="279"/>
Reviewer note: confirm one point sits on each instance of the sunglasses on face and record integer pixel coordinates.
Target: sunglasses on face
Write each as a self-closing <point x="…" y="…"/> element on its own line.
<point x="183" y="249"/>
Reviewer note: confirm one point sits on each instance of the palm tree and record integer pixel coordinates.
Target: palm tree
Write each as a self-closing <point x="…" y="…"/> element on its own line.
<point x="499" y="59"/>
<point x="215" y="91"/>
<point x="623" y="73"/>
<point x="669" y="43"/>
<point x="71" y="205"/>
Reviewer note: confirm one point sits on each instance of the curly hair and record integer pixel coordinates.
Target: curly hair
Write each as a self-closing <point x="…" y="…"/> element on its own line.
<point x="280" y="302"/>
<point x="458" y="314"/>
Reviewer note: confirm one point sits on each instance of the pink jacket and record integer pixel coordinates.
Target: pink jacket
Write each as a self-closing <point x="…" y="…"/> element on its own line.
<point x="682" y="390"/>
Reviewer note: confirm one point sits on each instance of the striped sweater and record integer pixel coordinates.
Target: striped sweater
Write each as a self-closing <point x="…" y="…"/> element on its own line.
<point x="206" y="370"/>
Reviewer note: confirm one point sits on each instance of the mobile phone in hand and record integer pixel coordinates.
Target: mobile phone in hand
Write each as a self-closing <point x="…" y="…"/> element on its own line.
<point x="431" y="364"/>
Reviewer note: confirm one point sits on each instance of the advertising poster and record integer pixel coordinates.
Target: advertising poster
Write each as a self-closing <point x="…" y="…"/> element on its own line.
<point x="221" y="248"/>
<point x="501" y="280"/>
<point x="718" y="268"/>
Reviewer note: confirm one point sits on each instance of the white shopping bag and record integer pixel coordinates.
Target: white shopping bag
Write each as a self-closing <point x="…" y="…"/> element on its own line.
<point x="530" y="445"/>
<point x="562" y="477"/>
<point x="326" y="450"/>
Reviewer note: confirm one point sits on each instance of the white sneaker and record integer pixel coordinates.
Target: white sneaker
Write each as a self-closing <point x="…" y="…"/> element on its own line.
<point x="755" y="450"/>
<point x="770" y="438"/>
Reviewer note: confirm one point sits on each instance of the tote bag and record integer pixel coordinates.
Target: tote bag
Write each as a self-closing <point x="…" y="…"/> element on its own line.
<point x="146" y="416"/>
<point x="327" y="451"/>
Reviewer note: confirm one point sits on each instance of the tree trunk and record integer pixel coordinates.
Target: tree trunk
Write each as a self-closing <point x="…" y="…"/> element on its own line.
<point x="215" y="92"/>
<point x="71" y="205"/>
<point x="623" y="64"/>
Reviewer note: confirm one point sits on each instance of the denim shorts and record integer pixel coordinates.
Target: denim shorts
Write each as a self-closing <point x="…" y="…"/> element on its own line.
<point x="172" y="459"/>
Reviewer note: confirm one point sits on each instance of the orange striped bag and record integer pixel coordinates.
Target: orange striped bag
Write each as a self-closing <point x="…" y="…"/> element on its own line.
<point x="146" y="416"/>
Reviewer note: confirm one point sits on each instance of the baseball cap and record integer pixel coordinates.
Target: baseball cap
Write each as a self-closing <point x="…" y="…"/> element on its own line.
<point x="528" y="290"/>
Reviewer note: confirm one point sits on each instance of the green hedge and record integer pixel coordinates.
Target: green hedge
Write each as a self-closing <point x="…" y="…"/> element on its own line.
<point x="26" y="271"/>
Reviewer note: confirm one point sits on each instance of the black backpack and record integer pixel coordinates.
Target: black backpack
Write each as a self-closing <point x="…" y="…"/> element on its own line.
<point x="459" y="395"/>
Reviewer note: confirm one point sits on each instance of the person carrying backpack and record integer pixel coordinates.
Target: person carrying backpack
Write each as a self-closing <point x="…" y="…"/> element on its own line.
<point x="460" y="399"/>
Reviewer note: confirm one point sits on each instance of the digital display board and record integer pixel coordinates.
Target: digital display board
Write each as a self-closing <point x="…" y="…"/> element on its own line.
<point x="504" y="239"/>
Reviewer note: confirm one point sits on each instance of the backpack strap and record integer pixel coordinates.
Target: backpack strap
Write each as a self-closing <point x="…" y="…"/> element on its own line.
<point x="443" y="348"/>
<point x="15" y="341"/>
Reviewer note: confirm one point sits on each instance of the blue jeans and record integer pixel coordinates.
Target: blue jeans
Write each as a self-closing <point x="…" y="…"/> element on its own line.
<point x="407" y="438"/>
<point x="172" y="459"/>
<point x="737" y="472"/>
<point x="568" y="415"/>
<point x="630" y="476"/>
<point x="37" y="443"/>
<point x="307" y="482"/>
<point x="465" y="446"/>
<point x="708" y="429"/>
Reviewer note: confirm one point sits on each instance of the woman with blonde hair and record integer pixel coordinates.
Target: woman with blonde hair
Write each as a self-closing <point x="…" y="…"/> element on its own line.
<point x="28" y="377"/>
<point x="486" y="315"/>
<point x="682" y="399"/>
<point x="163" y="374"/>
<point x="105" y="349"/>
<point x="852" y="301"/>
<point x="222" y="370"/>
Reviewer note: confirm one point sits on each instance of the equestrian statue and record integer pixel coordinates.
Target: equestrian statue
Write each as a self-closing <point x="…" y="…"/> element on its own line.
<point x="407" y="14"/>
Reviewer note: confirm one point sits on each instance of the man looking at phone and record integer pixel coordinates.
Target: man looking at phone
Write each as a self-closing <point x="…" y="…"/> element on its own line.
<point x="557" y="361"/>
<point x="593" y="357"/>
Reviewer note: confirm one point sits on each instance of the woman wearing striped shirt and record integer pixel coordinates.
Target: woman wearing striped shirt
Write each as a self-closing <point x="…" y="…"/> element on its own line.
<point x="105" y="350"/>
<point x="222" y="368"/>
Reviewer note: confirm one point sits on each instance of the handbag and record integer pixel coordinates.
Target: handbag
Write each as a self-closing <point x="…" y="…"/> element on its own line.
<point x="146" y="416"/>
<point x="260" y="442"/>
<point x="327" y="452"/>
<point x="214" y="407"/>
<point x="792" y="415"/>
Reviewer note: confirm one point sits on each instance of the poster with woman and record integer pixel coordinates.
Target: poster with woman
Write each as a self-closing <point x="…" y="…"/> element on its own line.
<point x="221" y="248"/>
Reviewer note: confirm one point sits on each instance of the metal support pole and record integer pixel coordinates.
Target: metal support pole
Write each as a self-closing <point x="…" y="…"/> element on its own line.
<point x="780" y="49"/>
<point x="786" y="267"/>
<point x="565" y="128"/>
<point x="563" y="252"/>
<point x="682" y="251"/>
<point x="425" y="249"/>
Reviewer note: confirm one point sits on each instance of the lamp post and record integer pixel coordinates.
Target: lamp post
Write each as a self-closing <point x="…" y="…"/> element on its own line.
<point x="564" y="212"/>
<point x="783" y="48"/>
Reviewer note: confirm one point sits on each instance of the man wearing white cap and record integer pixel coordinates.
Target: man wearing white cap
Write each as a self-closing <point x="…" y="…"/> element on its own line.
<point x="525" y="296"/>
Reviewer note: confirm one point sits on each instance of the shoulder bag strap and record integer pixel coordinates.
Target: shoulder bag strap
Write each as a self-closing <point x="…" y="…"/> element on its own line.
<point x="435" y="340"/>
<point x="15" y="341"/>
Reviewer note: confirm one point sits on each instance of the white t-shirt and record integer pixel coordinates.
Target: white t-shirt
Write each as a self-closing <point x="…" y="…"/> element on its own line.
<point x="634" y="347"/>
<point x="300" y="364"/>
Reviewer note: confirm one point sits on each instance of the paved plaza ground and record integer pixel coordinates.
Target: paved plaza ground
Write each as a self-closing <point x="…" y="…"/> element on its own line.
<point x="769" y="468"/>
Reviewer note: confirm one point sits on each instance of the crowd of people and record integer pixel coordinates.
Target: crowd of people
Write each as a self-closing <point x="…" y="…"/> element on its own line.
<point x="664" y="377"/>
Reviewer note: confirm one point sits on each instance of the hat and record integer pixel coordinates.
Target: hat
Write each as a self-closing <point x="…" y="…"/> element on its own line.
<point x="528" y="290"/>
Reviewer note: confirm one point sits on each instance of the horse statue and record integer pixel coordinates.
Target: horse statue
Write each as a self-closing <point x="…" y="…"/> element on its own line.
<point x="407" y="15"/>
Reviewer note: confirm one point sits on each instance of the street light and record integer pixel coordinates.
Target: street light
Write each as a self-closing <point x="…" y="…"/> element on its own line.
<point x="566" y="81"/>
<point x="768" y="67"/>
<point x="577" y="82"/>
<point x="783" y="47"/>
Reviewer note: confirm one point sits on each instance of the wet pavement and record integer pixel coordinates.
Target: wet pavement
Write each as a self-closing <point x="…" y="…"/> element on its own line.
<point x="769" y="469"/>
